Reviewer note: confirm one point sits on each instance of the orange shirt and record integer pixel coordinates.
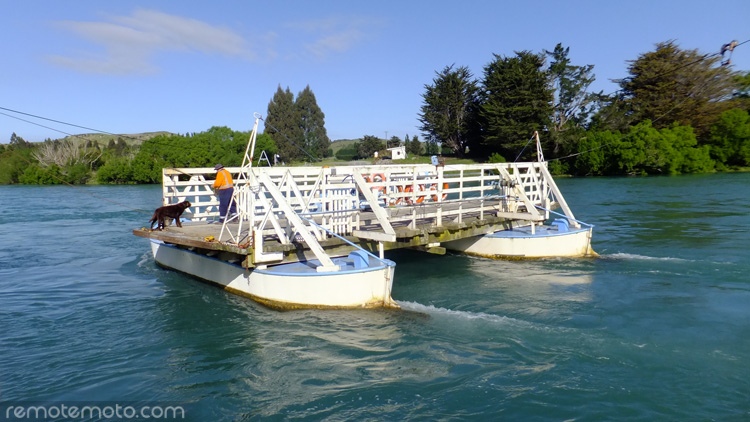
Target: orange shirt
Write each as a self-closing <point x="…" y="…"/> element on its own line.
<point x="223" y="180"/>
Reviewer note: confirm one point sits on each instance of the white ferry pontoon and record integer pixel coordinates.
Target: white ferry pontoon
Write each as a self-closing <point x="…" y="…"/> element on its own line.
<point x="315" y="237"/>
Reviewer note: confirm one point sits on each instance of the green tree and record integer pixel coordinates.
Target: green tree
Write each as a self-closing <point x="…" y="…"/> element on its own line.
<point x="730" y="138"/>
<point x="17" y="142"/>
<point x="431" y="147"/>
<point x="673" y="85"/>
<point x="572" y="101"/>
<point x="517" y="101"/>
<point x="414" y="147"/>
<point x="282" y="124"/>
<point x="13" y="163"/>
<point x="592" y="157"/>
<point x="36" y="175"/>
<point x="115" y="171"/>
<point x="647" y="150"/>
<point x="314" y="138"/>
<point x="741" y="94"/>
<point x="368" y="146"/>
<point x="449" y="110"/>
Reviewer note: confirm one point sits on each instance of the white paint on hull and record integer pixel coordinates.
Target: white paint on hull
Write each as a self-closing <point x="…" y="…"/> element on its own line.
<point x="519" y="244"/>
<point x="288" y="285"/>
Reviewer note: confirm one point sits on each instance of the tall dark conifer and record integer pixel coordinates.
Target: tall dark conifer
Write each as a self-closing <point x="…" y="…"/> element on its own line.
<point x="312" y="132"/>
<point x="449" y="109"/>
<point x="282" y="125"/>
<point x="518" y="101"/>
<point x="673" y="85"/>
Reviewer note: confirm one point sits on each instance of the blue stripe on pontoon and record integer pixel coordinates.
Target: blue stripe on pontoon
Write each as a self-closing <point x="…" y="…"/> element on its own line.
<point x="523" y="233"/>
<point x="306" y="271"/>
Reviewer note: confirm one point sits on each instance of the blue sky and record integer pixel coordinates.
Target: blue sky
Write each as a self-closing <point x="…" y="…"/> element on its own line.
<point x="180" y="66"/>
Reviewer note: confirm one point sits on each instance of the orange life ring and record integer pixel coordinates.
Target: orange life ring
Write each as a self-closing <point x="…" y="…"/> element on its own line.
<point x="421" y="198"/>
<point x="434" y="188"/>
<point x="404" y="189"/>
<point x="376" y="177"/>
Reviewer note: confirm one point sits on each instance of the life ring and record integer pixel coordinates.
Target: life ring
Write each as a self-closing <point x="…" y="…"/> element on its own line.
<point x="421" y="198"/>
<point x="406" y="198"/>
<point x="375" y="178"/>
<point x="434" y="188"/>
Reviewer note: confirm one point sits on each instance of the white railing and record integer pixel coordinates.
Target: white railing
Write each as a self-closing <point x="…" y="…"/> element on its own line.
<point x="340" y="197"/>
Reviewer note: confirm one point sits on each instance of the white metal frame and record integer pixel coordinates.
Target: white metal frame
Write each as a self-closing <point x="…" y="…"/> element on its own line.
<point x="339" y="198"/>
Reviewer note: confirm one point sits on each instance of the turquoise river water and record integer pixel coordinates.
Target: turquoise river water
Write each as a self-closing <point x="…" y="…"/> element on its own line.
<point x="656" y="328"/>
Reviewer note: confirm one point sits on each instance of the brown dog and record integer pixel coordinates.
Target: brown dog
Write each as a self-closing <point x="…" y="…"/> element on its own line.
<point x="169" y="211"/>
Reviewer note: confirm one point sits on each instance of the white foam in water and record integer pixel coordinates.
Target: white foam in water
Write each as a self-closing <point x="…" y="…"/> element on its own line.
<point x="479" y="316"/>
<point x="641" y="257"/>
<point x="431" y="309"/>
<point x="145" y="258"/>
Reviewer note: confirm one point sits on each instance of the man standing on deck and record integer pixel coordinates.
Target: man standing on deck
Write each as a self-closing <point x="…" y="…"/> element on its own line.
<point x="224" y="185"/>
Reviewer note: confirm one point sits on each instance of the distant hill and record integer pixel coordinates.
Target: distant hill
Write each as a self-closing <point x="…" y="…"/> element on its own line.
<point x="104" y="138"/>
<point x="138" y="138"/>
<point x="342" y="143"/>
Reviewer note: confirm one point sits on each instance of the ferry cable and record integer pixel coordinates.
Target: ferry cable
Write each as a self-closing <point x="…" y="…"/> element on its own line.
<point x="524" y="148"/>
<point x="33" y="123"/>
<point x="51" y="120"/>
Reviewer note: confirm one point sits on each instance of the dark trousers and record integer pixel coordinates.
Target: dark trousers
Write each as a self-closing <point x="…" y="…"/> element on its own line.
<point x="225" y="197"/>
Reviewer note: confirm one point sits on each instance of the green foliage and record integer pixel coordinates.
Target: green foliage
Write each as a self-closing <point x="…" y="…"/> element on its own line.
<point x="730" y="138"/>
<point x="205" y="149"/>
<point x="312" y="125"/>
<point x="496" y="158"/>
<point x="368" y="146"/>
<point x="348" y="153"/>
<point x="36" y="175"/>
<point x="431" y="148"/>
<point x="115" y="171"/>
<point x="642" y="150"/>
<point x="572" y="102"/>
<point x="77" y="174"/>
<point x="282" y="124"/>
<point x="414" y="147"/>
<point x="592" y="158"/>
<point x="17" y="142"/>
<point x="647" y="150"/>
<point x="297" y="126"/>
<point x="518" y="101"/>
<point x="671" y="85"/>
<point x="558" y="168"/>
<point x="13" y="163"/>
<point x="450" y="109"/>
<point x="742" y="86"/>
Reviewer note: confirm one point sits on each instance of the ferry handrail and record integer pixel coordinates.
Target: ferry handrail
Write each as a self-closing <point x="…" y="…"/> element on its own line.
<point x="564" y="216"/>
<point x="382" y="261"/>
<point x="301" y="187"/>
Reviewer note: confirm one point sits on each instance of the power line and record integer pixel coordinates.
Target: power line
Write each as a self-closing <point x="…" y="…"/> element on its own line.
<point x="51" y="120"/>
<point x="33" y="123"/>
